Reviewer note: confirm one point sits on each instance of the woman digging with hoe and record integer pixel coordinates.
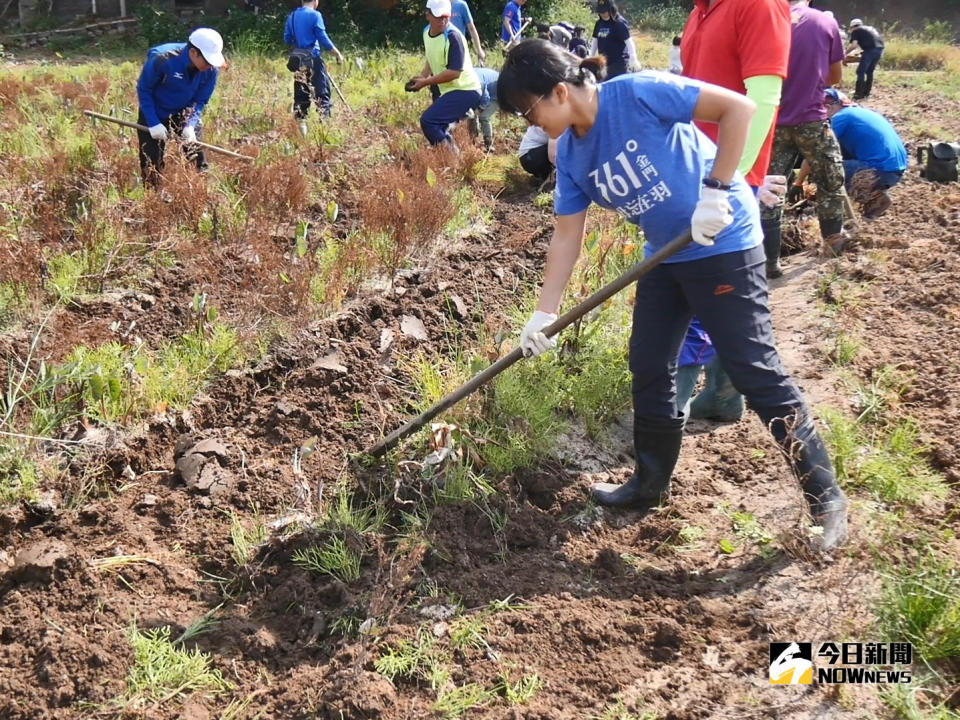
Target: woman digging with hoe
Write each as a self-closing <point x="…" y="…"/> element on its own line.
<point x="630" y="145"/>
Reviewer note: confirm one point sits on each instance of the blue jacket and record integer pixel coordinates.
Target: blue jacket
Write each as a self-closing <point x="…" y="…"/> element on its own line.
<point x="305" y="29"/>
<point x="169" y="84"/>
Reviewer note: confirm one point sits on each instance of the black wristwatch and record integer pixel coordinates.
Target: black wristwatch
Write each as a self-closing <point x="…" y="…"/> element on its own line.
<point x="715" y="184"/>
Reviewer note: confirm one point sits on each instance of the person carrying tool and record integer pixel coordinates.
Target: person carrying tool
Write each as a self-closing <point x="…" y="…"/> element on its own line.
<point x="630" y="145"/>
<point x="611" y="39"/>
<point x="868" y="142"/>
<point x="870" y="42"/>
<point x="450" y="70"/>
<point x="305" y="30"/>
<point x="512" y="22"/>
<point x="462" y="19"/>
<point x="174" y="86"/>
<point x="816" y="62"/>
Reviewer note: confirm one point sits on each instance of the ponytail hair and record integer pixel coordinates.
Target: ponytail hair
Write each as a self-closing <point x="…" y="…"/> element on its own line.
<point x="534" y="68"/>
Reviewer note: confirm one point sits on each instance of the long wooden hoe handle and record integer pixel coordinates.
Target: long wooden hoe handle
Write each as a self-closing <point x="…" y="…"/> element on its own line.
<point x="568" y="318"/>
<point x="137" y="126"/>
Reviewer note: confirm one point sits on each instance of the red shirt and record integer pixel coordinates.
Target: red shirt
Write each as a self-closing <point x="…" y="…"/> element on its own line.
<point x="733" y="40"/>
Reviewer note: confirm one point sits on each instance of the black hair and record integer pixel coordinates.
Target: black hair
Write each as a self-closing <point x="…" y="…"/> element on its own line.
<point x="535" y="67"/>
<point x="541" y="27"/>
<point x="608" y="6"/>
<point x="579" y="30"/>
<point x="676" y="40"/>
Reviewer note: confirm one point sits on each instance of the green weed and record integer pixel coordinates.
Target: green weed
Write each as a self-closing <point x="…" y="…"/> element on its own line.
<point x="456" y="702"/>
<point x="921" y="604"/>
<point x="245" y="541"/>
<point x="333" y="558"/>
<point x="18" y="476"/>
<point x="161" y="671"/>
<point x="522" y="691"/>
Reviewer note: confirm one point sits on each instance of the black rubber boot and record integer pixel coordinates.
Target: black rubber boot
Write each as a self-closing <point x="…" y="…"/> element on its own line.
<point x="772" y="242"/>
<point x="656" y="443"/>
<point x="858" y="90"/>
<point x="808" y="457"/>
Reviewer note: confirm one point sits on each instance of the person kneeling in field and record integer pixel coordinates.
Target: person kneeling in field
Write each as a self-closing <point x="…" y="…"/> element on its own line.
<point x="630" y="145"/>
<point x="868" y="143"/>
<point x="175" y="84"/>
<point x="448" y="69"/>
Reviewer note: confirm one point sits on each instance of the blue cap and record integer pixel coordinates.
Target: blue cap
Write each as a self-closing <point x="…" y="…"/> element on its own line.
<point x="833" y="95"/>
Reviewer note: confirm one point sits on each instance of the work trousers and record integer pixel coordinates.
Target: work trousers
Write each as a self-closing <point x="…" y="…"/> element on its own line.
<point x="449" y="108"/>
<point x="152" y="151"/>
<point x="311" y="83"/>
<point x="818" y="145"/>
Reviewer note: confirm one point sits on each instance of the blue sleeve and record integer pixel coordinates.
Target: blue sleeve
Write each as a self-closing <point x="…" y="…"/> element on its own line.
<point x="508" y="11"/>
<point x="150" y="78"/>
<point x="666" y="97"/>
<point x="288" y="36"/>
<point x="202" y="97"/>
<point x="568" y="198"/>
<point x="455" y="51"/>
<point x="320" y="33"/>
<point x="467" y="15"/>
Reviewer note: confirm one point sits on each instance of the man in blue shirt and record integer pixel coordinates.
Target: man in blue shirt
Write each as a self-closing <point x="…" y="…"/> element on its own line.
<point x="462" y="19"/>
<point x="867" y="142"/>
<point x="175" y="84"/>
<point x="488" y="107"/>
<point x="305" y="30"/>
<point x="512" y="20"/>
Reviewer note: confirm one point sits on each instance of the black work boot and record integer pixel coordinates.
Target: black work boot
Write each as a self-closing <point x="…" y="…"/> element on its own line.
<point x="656" y="443"/>
<point x="858" y="93"/>
<point x="772" y="242"/>
<point x="808" y="457"/>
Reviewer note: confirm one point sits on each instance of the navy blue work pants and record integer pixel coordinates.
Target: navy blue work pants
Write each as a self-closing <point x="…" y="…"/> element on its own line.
<point x="312" y="84"/>
<point x="728" y="293"/>
<point x="449" y="108"/>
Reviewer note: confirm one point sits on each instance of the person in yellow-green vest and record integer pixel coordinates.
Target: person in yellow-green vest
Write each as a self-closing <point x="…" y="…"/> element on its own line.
<point x="449" y="73"/>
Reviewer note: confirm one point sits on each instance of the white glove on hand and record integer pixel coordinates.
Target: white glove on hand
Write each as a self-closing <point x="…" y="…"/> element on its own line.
<point x="712" y="214"/>
<point x="158" y="132"/>
<point x="532" y="340"/>
<point x="773" y="188"/>
<point x="188" y="135"/>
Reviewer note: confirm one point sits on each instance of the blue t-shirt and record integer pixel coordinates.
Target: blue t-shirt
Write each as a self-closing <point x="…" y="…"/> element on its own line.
<point x="867" y="136"/>
<point x="460" y="15"/>
<point x="488" y="85"/>
<point x="305" y="29"/>
<point x="512" y="11"/>
<point x="644" y="158"/>
<point x="170" y="83"/>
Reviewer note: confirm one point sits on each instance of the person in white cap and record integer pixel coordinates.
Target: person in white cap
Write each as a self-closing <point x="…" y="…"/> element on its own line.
<point x="448" y="72"/>
<point x="175" y="84"/>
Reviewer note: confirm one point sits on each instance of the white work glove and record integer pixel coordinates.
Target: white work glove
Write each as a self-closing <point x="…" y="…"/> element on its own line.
<point x="712" y="214"/>
<point x="158" y="132"/>
<point x="772" y="189"/>
<point x="532" y="340"/>
<point x="188" y="134"/>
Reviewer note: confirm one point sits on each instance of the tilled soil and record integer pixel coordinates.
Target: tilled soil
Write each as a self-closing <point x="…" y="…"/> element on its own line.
<point x="603" y="605"/>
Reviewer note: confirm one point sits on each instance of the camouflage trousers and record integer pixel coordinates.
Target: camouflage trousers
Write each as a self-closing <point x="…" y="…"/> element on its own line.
<point x="818" y="145"/>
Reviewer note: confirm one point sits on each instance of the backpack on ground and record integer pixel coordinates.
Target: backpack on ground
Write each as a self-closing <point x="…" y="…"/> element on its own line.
<point x="941" y="161"/>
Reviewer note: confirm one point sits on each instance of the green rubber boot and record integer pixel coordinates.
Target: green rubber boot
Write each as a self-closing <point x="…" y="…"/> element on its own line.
<point x="719" y="399"/>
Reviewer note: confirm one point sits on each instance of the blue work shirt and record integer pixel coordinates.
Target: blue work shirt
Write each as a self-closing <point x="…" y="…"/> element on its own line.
<point x="867" y="136"/>
<point x="169" y="83"/>
<point x="646" y="159"/>
<point x="460" y="15"/>
<point x="488" y="85"/>
<point x="305" y="29"/>
<point x="511" y="11"/>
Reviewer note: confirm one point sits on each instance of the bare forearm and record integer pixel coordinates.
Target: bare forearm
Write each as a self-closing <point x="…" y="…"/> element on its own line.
<point x="561" y="258"/>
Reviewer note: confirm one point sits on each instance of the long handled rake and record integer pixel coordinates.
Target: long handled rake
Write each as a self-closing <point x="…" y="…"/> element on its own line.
<point x="568" y="318"/>
<point x="137" y="126"/>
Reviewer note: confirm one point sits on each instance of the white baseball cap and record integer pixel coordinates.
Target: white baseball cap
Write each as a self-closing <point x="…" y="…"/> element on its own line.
<point x="856" y="22"/>
<point x="210" y="45"/>
<point x="439" y="8"/>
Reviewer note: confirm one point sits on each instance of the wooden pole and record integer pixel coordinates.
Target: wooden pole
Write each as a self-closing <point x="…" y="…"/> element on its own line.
<point x="568" y="318"/>
<point x="137" y="126"/>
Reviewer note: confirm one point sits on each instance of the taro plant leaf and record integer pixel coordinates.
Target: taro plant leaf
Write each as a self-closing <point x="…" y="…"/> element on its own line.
<point x="333" y="211"/>
<point x="400" y="196"/>
<point x="431" y="177"/>
<point x="591" y="241"/>
<point x="97" y="385"/>
<point x="285" y="278"/>
<point x="211" y="314"/>
<point x="301" y="238"/>
<point x="726" y="546"/>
